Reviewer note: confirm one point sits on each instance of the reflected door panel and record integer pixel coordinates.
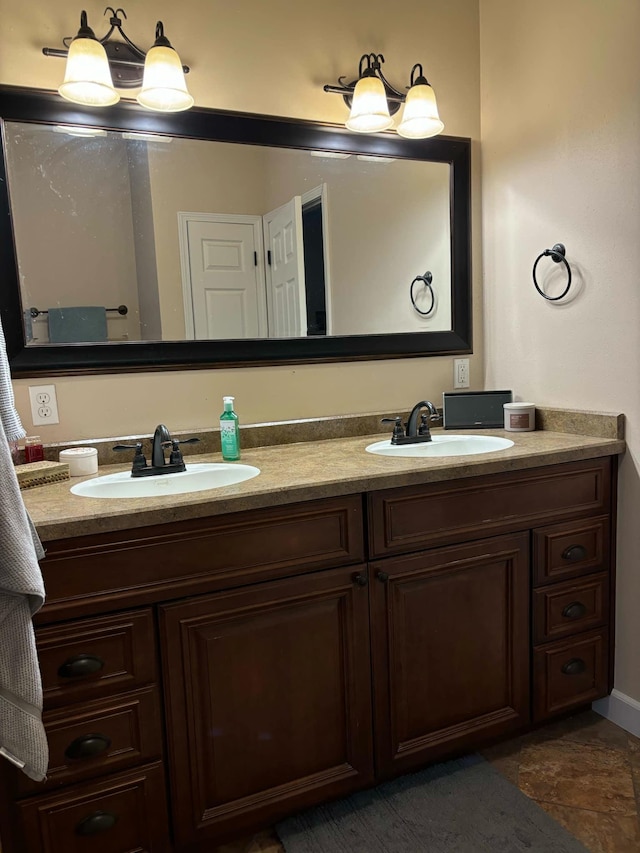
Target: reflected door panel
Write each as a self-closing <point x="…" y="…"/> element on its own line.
<point x="226" y="286"/>
<point x="286" y="300"/>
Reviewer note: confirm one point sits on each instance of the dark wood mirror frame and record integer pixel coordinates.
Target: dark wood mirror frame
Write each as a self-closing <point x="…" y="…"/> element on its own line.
<point x="18" y="104"/>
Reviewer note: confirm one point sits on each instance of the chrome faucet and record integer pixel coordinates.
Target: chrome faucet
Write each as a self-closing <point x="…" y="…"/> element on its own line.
<point x="414" y="433"/>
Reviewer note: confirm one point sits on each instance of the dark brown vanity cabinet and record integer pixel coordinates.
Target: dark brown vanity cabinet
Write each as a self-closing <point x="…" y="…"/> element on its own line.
<point x="450" y="649"/>
<point x="268" y="698"/>
<point x="256" y="663"/>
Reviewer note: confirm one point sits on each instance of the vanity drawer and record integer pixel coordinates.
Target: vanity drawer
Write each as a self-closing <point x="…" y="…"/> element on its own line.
<point x="90" y="658"/>
<point x="412" y="518"/>
<point x="568" y="550"/>
<point x="570" y="607"/>
<point x="100" y="737"/>
<point x="125" y="813"/>
<point x="569" y="673"/>
<point x="153" y="564"/>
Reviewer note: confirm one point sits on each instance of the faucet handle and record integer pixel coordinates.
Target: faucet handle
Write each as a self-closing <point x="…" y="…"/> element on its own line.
<point x="139" y="460"/>
<point x="176" y="456"/>
<point x="423" y="429"/>
<point x="398" y="431"/>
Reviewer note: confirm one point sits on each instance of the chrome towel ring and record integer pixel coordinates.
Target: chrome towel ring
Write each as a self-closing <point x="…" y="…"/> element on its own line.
<point x="557" y="255"/>
<point x="426" y="279"/>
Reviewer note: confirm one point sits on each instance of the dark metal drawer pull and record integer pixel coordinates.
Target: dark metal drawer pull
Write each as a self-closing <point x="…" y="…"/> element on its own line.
<point x="361" y="580"/>
<point x="575" y="610"/>
<point x="383" y="577"/>
<point x="574" y="553"/>
<point x="87" y="746"/>
<point x="575" y="666"/>
<point x="80" y="666"/>
<point x="96" y="823"/>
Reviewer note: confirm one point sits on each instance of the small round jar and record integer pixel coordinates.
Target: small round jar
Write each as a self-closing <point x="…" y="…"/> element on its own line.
<point x="519" y="417"/>
<point x="82" y="460"/>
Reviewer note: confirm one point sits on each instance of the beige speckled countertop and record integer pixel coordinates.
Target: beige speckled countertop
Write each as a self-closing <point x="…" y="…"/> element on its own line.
<point x="303" y="471"/>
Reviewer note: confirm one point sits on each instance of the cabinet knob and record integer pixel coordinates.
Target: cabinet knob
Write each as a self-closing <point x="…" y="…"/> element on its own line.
<point x="383" y="577"/>
<point x="575" y="666"/>
<point x="87" y="746"/>
<point x="360" y="580"/>
<point x="80" y="666"/>
<point x="574" y="553"/>
<point x="96" y="823"/>
<point x="575" y="610"/>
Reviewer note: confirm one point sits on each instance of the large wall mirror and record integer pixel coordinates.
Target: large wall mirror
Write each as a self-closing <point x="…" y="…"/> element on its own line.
<point x="136" y="240"/>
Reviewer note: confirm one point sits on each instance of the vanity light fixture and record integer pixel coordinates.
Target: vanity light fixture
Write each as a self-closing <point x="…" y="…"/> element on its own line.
<point x="95" y="67"/>
<point x="374" y="158"/>
<point x="146" y="137"/>
<point x="83" y="132"/>
<point x="373" y="101"/>
<point x="331" y="155"/>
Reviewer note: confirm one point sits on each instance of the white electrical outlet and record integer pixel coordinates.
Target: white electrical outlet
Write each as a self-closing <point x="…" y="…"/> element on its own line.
<point x="460" y="372"/>
<point x="44" y="404"/>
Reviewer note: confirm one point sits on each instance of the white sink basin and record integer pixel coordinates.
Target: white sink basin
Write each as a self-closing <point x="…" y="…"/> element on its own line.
<point x="197" y="478"/>
<point x="443" y="445"/>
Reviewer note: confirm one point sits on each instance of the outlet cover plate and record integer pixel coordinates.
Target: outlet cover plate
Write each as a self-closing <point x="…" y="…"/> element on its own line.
<point x="44" y="405"/>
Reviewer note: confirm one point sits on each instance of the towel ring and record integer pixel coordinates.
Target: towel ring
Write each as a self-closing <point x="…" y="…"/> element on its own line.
<point x="427" y="278"/>
<point x="557" y="255"/>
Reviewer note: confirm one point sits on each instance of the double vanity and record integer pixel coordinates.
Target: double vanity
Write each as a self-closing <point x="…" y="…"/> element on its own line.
<point x="216" y="660"/>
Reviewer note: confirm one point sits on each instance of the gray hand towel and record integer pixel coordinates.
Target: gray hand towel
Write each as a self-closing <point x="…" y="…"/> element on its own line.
<point x="77" y="324"/>
<point x="22" y="736"/>
<point x="13" y="428"/>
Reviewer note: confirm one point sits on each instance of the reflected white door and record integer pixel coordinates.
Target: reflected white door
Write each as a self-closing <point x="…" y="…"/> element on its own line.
<point x="225" y="293"/>
<point x="286" y="300"/>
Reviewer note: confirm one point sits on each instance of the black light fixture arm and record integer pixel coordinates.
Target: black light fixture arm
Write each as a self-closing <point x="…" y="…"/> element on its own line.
<point x="116" y="24"/>
<point x="369" y="66"/>
<point x="126" y="59"/>
<point x="420" y="80"/>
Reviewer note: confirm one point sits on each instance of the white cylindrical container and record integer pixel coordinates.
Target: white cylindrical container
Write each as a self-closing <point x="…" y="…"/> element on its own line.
<point x="519" y="417"/>
<point x="82" y="460"/>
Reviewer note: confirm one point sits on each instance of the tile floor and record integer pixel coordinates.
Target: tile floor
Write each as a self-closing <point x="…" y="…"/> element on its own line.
<point x="583" y="771"/>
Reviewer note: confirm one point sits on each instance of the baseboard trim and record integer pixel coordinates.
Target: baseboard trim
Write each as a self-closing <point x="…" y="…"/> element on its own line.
<point x="621" y="710"/>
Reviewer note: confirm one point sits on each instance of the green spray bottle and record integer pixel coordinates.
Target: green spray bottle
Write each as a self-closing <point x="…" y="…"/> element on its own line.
<point x="229" y="432"/>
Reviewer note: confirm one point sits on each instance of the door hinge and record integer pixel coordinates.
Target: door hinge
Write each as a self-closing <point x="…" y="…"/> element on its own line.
<point x="269" y="256"/>
<point x="255" y="259"/>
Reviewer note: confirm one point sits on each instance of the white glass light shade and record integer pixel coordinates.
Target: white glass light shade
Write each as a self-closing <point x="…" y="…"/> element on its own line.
<point x="87" y="79"/>
<point x="369" y="108"/>
<point x="163" y="84"/>
<point x="420" y="117"/>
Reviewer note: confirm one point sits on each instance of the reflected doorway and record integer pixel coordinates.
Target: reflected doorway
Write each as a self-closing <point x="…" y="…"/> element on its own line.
<point x="256" y="276"/>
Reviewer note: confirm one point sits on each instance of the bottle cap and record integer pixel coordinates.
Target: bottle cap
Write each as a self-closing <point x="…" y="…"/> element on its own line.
<point x="228" y="399"/>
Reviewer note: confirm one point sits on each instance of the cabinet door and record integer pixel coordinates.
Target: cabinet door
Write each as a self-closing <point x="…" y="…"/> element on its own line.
<point x="450" y="649"/>
<point x="268" y="700"/>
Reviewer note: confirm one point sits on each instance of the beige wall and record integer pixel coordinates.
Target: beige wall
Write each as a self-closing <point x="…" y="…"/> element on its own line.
<point x="267" y="58"/>
<point x="193" y="176"/>
<point x="72" y="250"/>
<point x="561" y="163"/>
<point x="388" y="222"/>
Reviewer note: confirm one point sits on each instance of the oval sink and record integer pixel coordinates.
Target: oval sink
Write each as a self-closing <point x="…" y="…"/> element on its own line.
<point x="197" y="478"/>
<point x="443" y="445"/>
